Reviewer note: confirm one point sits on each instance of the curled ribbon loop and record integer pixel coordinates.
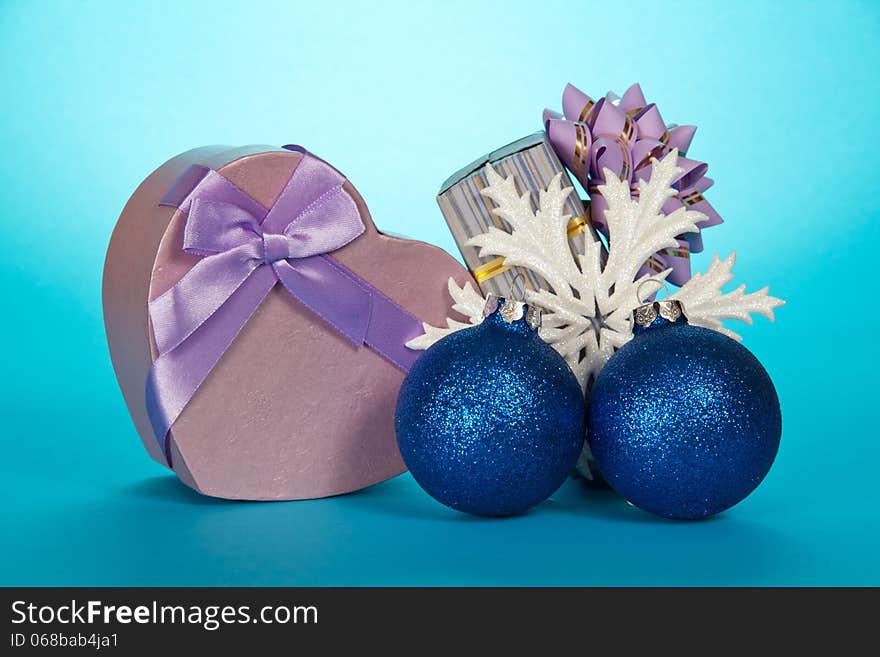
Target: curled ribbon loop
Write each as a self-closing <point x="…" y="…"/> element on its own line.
<point x="624" y="135"/>
<point x="246" y="250"/>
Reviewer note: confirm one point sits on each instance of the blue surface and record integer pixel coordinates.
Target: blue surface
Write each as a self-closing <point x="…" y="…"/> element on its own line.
<point x="95" y="95"/>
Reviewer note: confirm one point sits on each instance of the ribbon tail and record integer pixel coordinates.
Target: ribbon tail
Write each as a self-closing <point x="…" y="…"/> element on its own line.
<point x="391" y="327"/>
<point x="176" y="375"/>
<point x="179" y="312"/>
<point x="353" y="307"/>
<point x="331" y="292"/>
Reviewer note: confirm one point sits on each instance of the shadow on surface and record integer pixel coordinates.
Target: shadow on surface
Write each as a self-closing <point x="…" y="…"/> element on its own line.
<point x="402" y="497"/>
<point x="579" y="497"/>
<point x="170" y="489"/>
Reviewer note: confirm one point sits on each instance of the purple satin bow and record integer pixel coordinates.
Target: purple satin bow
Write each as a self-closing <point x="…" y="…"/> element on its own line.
<point x="623" y="135"/>
<point x="246" y="250"/>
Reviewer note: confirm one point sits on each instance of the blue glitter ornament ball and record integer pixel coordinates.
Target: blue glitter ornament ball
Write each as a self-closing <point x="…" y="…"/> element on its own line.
<point x="684" y="421"/>
<point x="490" y="420"/>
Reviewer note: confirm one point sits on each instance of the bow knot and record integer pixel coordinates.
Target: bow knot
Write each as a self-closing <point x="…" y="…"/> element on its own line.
<point x="275" y="247"/>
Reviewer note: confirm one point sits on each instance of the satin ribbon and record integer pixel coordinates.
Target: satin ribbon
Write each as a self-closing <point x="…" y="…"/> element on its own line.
<point x="246" y="250"/>
<point x="623" y="135"/>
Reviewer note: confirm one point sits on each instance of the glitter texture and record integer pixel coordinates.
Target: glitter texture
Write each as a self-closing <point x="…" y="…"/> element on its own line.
<point x="684" y="421"/>
<point x="490" y="420"/>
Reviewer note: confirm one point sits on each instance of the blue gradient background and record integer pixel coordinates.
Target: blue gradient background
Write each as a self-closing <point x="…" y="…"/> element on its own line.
<point x="96" y="95"/>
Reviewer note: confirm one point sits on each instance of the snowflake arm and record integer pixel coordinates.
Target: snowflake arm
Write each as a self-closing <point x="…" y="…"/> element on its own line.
<point x="537" y="240"/>
<point x="467" y="302"/>
<point x="639" y="228"/>
<point x="706" y="305"/>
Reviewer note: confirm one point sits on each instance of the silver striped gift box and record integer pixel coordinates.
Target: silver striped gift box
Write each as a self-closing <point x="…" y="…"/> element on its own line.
<point x="468" y="213"/>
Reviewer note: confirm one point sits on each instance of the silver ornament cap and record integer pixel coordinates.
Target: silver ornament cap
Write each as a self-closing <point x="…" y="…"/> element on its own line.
<point x="669" y="309"/>
<point x="513" y="310"/>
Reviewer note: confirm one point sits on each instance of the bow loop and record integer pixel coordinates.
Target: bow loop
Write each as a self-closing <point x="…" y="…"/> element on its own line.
<point x="311" y="234"/>
<point x="216" y="226"/>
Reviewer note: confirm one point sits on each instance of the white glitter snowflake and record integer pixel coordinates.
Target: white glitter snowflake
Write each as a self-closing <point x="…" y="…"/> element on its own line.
<point x="587" y="308"/>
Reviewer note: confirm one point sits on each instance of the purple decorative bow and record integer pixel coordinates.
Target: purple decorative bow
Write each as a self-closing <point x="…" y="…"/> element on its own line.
<point x="623" y="135"/>
<point x="246" y="250"/>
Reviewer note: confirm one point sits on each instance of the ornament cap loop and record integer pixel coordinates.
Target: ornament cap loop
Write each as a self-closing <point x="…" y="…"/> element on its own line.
<point x="669" y="309"/>
<point x="661" y="285"/>
<point x="512" y="310"/>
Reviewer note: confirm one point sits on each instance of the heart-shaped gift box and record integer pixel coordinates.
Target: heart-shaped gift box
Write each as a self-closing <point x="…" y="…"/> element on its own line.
<point x="300" y="401"/>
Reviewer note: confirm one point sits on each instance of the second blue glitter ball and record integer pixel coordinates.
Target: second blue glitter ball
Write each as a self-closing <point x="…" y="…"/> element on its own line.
<point x="684" y="421"/>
